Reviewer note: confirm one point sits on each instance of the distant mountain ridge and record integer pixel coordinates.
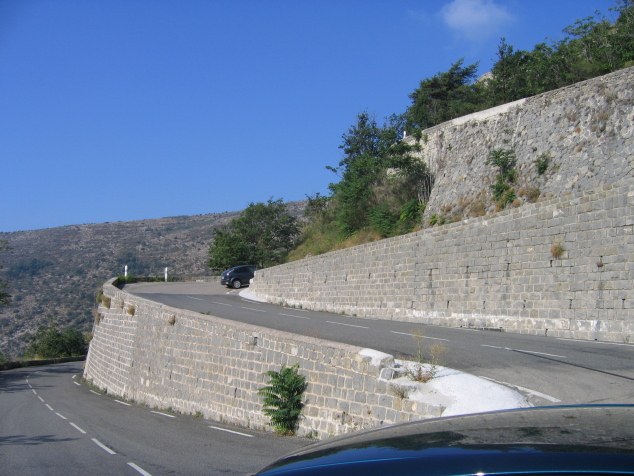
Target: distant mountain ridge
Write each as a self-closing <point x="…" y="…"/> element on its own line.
<point x="54" y="274"/>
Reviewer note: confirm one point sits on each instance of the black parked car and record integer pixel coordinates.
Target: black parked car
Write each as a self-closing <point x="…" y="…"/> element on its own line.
<point x="574" y="440"/>
<point x="237" y="276"/>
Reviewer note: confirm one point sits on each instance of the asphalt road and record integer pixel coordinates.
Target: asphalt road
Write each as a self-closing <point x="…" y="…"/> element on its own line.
<point x="549" y="371"/>
<point x="54" y="424"/>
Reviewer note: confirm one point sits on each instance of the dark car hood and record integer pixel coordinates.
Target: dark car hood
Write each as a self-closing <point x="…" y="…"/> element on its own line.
<point x="548" y="440"/>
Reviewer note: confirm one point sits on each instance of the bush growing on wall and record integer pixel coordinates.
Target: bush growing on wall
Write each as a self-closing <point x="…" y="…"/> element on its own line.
<point x="283" y="398"/>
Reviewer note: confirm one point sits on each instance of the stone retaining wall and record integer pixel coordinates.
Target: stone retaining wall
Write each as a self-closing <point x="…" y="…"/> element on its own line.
<point x="498" y="271"/>
<point x="586" y="130"/>
<point x="194" y="363"/>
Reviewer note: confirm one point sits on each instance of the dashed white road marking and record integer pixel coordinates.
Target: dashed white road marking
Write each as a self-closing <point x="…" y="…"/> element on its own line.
<point x="221" y="303"/>
<point x="140" y="470"/>
<point x="77" y="384"/>
<point x="49" y="407"/>
<point x="103" y="447"/>
<point x="231" y="431"/>
<point x="349" y="325"/>
<point x="252" y="309"/>
<point x="291" y="315"/>
<point x="196" y="299"/>
<point x="61" y="416"/>
<point x="423" y="337"/>
<point x="77" y="428"/>
<point x="96" y="393"/>
<point x="164" y="414"/>
<point x="526" y="351"/>
<point x="123" y="403"/>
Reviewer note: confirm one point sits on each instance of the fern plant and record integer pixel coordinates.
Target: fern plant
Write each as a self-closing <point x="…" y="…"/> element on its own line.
<point x="283" y="398"/>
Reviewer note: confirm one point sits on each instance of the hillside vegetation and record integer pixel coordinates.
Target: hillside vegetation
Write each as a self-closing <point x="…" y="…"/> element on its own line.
<point x="383" y="189"/>
<point x="54" y="274"/>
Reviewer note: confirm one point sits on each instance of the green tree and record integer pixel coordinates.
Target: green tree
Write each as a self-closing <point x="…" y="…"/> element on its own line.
<point x="50" y="343"/>
<point x="592" y="46"/>
<point x="443" y="97"/>
<point x="359" y="169"/>
<point x="5" y="297"/>
<point x="316" y="208"/>
<point x="512" y="75"/>
<point x="369" y="191"/>
<point x="262" y="235"/>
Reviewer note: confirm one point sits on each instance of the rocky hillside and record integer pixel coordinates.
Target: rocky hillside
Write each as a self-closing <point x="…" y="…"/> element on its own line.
<point x="54" y="274"/>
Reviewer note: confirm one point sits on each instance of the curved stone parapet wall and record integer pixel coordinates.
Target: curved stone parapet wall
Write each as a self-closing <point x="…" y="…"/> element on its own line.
<point x="494" y="272"/>
<point x="198" y="364"/>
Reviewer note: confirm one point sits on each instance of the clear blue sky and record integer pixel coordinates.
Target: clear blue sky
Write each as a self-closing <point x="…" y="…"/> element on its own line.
<point x="118" y="110"/>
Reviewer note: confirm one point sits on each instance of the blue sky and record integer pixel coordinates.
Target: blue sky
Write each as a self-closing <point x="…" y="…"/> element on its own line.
<point x="119" y="110"/>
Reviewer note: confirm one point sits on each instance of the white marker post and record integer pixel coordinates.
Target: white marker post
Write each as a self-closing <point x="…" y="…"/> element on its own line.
<point x="165" y="274"/>
<point x="125" y="271"/>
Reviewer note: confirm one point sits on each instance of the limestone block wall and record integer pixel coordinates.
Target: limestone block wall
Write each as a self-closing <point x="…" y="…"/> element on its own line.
<point x="190" y="362"/>
<point x="496" y="271"/>
<point x="586" y="130"/>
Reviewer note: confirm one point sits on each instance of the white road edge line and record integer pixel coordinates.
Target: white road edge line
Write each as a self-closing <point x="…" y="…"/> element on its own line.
<point x="140" y="470"/>
<point x="291" y="315"/>
<point x="424" y="337"/>
<point x="77" y="428"/>
<point x="92" y="391"/>
<point x="61" y="416"/>
<point x="164" y="414"/>
<point x="77" y="384"/>
<point x="74" y="376"/>
<point x="123" y="403"/>
<point x="349" y="325"/>
<point x="231" y="431"/>
<point x="103" y="447"/>
<point x="527" y="351"/>
<point x="524" y="389"/>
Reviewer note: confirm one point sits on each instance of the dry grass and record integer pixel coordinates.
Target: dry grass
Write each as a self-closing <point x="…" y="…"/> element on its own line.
<point x="557" y="250"/>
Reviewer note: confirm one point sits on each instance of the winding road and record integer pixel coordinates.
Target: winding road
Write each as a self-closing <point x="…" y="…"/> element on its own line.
<point x="53" y="423"/>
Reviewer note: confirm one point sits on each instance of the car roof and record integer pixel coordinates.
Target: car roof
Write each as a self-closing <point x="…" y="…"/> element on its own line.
<point x="545" y="440"/>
